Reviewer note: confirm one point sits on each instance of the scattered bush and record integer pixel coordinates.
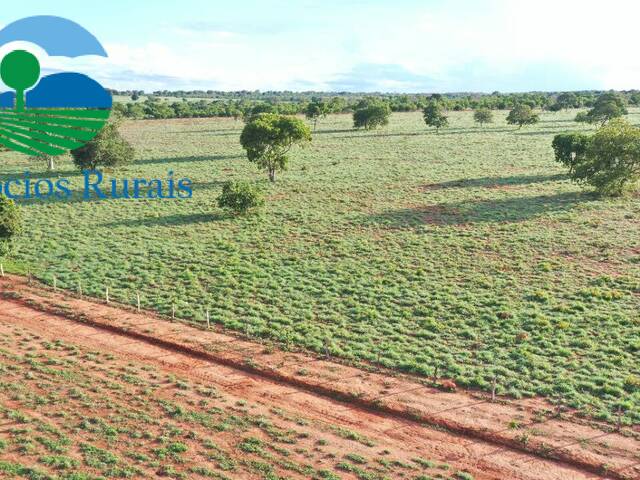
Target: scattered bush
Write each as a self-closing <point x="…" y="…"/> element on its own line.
<point x="107" y="149"/>
<point x="252" y="113"/>
<point x="240" y="197"/>
<point x="482" y="116"/>
<point x="10" y="225"/>
<point x="608" y="160"/>
<point x="269" y="137"/>
<point x="522" y="115"/>
<point x="372" y="116"/>
<point x="607" y="107"/>
<point x="434" y="117"/>
<point x="315" y="110"/>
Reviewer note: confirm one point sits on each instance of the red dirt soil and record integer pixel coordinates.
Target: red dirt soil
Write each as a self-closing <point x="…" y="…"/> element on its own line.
<point x="501" y="439"/>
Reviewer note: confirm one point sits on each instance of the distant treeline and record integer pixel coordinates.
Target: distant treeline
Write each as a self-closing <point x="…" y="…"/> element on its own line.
<point x="194" y="104"/>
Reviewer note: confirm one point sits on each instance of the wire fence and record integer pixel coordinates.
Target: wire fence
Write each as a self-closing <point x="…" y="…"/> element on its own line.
<point x="134" y="300"/>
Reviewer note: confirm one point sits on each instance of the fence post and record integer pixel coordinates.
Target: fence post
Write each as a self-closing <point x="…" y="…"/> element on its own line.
<point x="107" y="294"/>
<point x="493" y="389"/>
<point x="55" y="284"/>
<point x="1" y="270"/>
<point x="80" y="288"/>
<point x="208" y="321"/>
<point x="138" y="300"/>
<point x="173" y="311"/>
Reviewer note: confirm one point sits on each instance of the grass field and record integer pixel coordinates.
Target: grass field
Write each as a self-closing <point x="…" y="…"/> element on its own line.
<point x="466" y="254"/>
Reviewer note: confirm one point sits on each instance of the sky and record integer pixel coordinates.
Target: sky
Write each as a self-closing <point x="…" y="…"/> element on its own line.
<point x="352" y="45"/>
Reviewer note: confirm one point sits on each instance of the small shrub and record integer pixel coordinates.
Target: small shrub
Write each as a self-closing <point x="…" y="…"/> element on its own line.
<point x="240" y="197"/>
<point x="371" y="116"/>
<point x="522" y="115"/>
<point x="464" y="476"/>
<point x="107" y="149"/>
<point x="482" y="116"/>
<point x="608" y="160"/>
<point x="10" y="225"/>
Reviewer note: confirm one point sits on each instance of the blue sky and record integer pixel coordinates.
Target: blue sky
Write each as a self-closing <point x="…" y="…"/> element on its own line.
<point x="357" y="45"/>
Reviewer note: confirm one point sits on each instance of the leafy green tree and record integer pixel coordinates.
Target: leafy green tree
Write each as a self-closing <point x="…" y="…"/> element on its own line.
<point x="240" y="197"/>
<point x="107" y="149"/>
<point x="315" y="110"/>
<point x="522" y="115"/>
<point x="434" y="116"/>
<point x="483" y="115"/>
<point x="570" y="148"/>
<point x="258" y="109"/>
<point x="157" y="109"/>
<point x="609" y="160"/>
<point x="567" y="100"/>
<point x="10" y="225"/>
<point x="371" y="115"/>
<point x="268" y="138"/>
<point x="608" y="106"/>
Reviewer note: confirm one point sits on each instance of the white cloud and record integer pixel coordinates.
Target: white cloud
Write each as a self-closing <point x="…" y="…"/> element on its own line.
<point x="456" y="45"/>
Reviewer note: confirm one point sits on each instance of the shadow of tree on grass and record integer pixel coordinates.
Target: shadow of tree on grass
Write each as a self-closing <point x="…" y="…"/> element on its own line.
<point x="507" y="210"/>
<point x="192" y="159"/>
<point x="495" y="182"/>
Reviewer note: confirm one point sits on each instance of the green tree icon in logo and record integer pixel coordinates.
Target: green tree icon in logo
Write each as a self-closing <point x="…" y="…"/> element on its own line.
<point x="20" y="70"/>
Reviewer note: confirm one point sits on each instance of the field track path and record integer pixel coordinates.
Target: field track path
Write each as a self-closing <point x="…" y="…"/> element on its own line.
<point x="471" y="432"/>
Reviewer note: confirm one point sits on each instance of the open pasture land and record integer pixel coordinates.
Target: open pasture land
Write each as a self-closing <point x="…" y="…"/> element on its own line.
<point x="465" y="255"/>
<point x="109" y="392"/>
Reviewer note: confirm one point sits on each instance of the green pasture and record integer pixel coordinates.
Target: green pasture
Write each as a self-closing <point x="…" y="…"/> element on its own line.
<point x="466" y="255"/>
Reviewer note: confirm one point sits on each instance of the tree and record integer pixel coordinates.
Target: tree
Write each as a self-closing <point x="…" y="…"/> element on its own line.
<point x="607" y="107"/>
<point x="570" y="148"/>
<point x="252" y="112"/>
<point x="135" y="96"/>
<point x="567" y="100"/>
<point x="609" y="160"/>
<point x="107" y="149"/>
<point x="10" y="225"/>
<point x="371" y="116"/>
<point x="240" y="197"/>
<point x="268" y="138"/>
<point x="316" y="109"/>
<point x="522" y="115"/>
<point x="483" y="115"/>
<point x="433" y="115"/>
